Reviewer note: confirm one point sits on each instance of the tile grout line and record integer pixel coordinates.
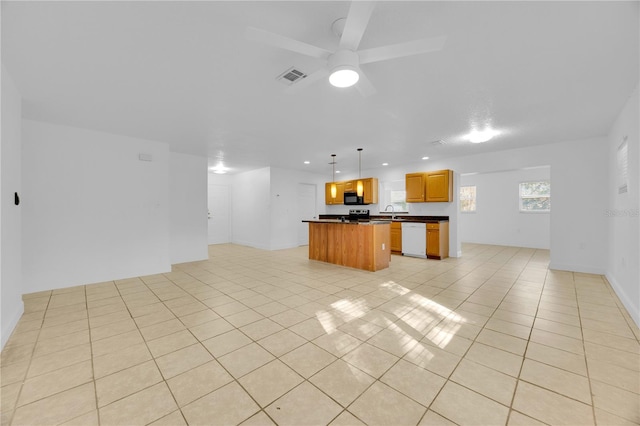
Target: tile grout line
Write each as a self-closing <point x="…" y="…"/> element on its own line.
<point x="26" y="373"/>
<point x="518" y="379"/>
<point x="475" y="340"/>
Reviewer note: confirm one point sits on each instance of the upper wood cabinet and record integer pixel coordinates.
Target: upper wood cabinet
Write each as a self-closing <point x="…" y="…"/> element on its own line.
<point x="415" y="187"/>
<point x="339" y="193"/>
<point x="370" y="190"/>
<point x="429" y="187"/>
<point x="439" y="186"/>
<point x="370" y="195"/>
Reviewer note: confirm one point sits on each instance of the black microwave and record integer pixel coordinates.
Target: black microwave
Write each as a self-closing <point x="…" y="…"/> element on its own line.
<point x="352" y="199"/>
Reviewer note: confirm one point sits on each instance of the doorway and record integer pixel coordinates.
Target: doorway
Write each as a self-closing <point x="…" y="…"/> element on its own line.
<point x="218" y="203"/>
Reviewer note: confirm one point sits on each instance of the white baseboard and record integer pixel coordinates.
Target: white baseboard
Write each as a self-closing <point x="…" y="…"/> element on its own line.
<point x="634" y="311"/>
<point x="577" y="268"/>
<point x="250" y="244"/>
<point x="9" y="326"/>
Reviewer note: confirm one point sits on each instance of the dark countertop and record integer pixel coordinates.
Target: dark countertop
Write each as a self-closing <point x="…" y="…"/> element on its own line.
<point x="387" y="218"/>
<point x="348" y="222"/>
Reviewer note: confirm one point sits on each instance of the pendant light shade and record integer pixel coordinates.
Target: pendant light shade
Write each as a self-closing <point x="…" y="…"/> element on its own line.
<point x="360" y="184"/>
<point x="334" y="188"/>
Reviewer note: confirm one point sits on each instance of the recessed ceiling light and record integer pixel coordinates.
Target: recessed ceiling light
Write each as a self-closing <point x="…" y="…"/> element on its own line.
<point x="307" y="162"/>
<point x="385" y="164"/>
<point x="425" y="158"/>
<point x="337" y="171"/>
<point x="477" y="136"/>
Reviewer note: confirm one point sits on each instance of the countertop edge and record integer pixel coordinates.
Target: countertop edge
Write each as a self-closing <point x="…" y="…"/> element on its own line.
<point x="404" y="219"/>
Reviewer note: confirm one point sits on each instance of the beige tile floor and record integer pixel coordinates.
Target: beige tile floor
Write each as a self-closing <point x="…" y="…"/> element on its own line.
<point x="256" y="338"/>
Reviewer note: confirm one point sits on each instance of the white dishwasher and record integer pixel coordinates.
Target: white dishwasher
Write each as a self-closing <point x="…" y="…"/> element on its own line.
<point x="414" y="239"/>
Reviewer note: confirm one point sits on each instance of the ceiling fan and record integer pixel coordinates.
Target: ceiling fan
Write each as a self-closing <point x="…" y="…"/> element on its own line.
<point x="343" y="65"/>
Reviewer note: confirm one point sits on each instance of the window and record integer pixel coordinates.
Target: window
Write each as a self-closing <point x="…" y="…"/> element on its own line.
<point x="535" y="196"/>
<point x="398" y="200"/>
<point x="468" y="199"/>
<point x="393" y="193"/>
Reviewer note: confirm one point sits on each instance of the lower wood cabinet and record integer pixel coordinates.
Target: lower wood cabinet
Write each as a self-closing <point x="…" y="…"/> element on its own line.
<point x="396" y="237"/>
<point x="438" y="240"/>
<point x="362" y="246"/>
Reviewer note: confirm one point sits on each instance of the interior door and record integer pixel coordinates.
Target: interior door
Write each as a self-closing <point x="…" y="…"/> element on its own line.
<point x="219" y="207"/>
<point x="306" y="210"/>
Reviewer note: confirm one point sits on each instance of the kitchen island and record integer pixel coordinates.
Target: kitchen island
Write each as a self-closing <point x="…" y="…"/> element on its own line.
<point x="356" y="244"/>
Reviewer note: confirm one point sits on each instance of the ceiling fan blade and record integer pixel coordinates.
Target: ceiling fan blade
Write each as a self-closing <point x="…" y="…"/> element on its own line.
<point x="364" y="85"/>
<point x="308" y="80"/>
<point x="399" y="50"/>
<point x="356" y="24"/>
<point x="282" y="42"/>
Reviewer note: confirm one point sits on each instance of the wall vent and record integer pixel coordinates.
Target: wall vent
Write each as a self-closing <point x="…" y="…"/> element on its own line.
<point x="290" y="76"/>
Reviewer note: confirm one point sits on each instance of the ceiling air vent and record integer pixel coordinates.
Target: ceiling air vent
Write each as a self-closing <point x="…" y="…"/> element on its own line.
<point x="290" y="76"/>
<point x="438" y="142"/>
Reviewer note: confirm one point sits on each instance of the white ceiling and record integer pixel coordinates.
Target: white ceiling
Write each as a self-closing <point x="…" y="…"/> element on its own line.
<point x="183" y="73"/>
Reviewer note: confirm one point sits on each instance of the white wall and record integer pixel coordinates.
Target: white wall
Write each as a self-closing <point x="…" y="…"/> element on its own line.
<point x="251" y="213"/>
<point x="219" y="208"/>
<point x="264" y="206"/>
<point x="188" y="207"/>
<point x="11" y="306"/>
<point x="622" y="214"/>
<point x="285" y="217"/>
<point x="497" y="219"/>
<point x="92" y="211"/>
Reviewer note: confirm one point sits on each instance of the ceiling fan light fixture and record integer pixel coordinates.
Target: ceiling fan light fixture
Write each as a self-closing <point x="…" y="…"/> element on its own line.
<point x="344" y="76"/>
<point x="344" y="68"/>
<point x="480" y="136"/>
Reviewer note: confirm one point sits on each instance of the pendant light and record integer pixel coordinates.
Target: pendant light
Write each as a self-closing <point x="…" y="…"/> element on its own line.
<point x="334" y="188"/>
<point x="360" y="184"/>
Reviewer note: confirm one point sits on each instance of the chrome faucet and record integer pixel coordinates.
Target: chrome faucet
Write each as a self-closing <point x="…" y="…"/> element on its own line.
<point x="393" y="210"/>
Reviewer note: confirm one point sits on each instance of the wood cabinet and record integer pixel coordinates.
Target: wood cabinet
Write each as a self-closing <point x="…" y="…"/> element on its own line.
<point x="415" y="187"/>
<point x="370" y="190"/>
<point x="370" y="195"/>
<point x="439" y="186"/>
<point x="362" y="246"/>
<point x="438" y="240"/>
<point x="429" y="187"/>
<point x="339" y="193"/>
<point x="396" y="237"/>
